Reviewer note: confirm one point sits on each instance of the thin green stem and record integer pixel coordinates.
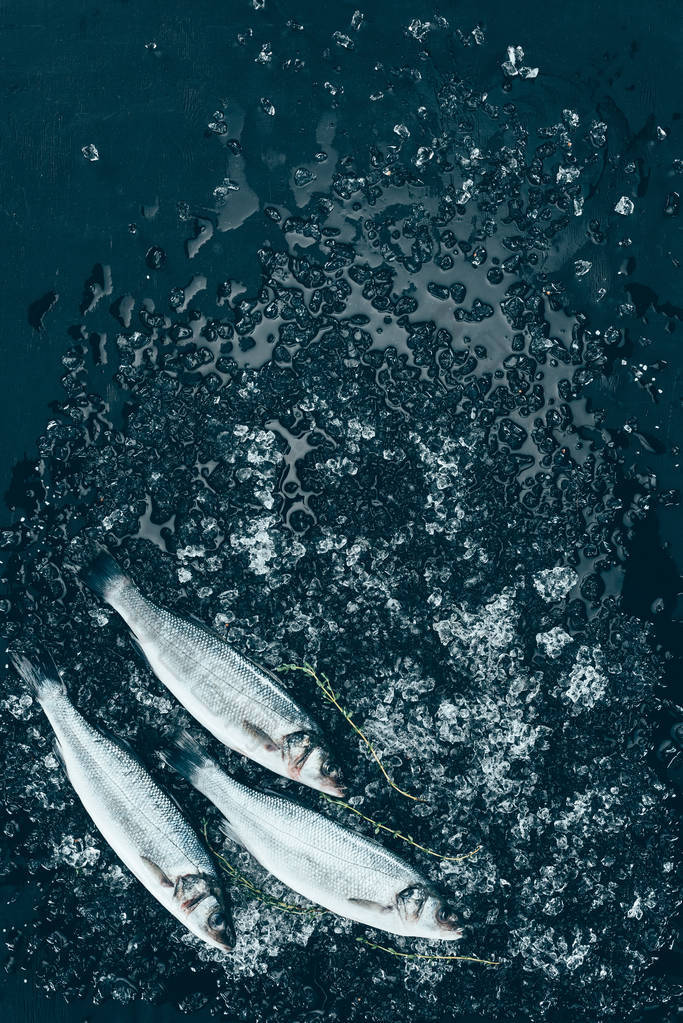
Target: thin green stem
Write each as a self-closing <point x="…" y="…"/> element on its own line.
<point x="288" y="907"/>
<point x="421" y="955"/>
<point x="269" y="900"/>
<point x="323" y="683"/>
<point x="399" y="834"/>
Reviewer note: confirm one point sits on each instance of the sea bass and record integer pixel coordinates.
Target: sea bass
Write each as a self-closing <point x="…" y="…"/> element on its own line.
<point x="331" y="865"/>
<point x="140" y="822"/>
<point x="242" y="704"/>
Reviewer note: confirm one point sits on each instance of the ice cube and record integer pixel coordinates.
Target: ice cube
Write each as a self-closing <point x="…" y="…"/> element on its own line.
<point x="566" y="174"/>
<point x="423" y="156"/>
<point x="598" y="133"/>
<point x="553" y="642"/>
<point x="586" y="683"/>
<point x="625" y="206"/>
<point x="302" y="176"/>
<point x="555" y="583"/>
<point x="341" y="39"/>
<point x="418" y="29"/>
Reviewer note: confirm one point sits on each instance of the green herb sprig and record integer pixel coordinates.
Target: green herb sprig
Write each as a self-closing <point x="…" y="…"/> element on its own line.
<point x="424" y="955"/>
<point x="262" y="896"/>
<point x="323" y="683"/>
<point x="399" y="834"/>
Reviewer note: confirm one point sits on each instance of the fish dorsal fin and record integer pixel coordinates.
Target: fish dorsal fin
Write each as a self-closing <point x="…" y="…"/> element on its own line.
<point x="118" y="740"/>
<point x="154" y="868"/>
<point x="268" y="790"/>
<point x="125" y="745"/>
<point x="376" y="907"/>
<point x="194" y="619"/>
<point x="260" y="736"/>
<point x="169" y="795"/>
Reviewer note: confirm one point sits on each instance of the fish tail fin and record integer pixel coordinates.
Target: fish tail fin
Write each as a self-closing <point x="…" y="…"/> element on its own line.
<point x="188" y="757"/>
<point x="105" y="577"/>
<point x="39" y="672"/>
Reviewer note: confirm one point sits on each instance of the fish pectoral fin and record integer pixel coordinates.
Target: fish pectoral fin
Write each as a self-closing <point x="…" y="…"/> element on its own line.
<point x="229" y="832"/>
<point x="376" y="907"/>
<point x="163" y="879"/>
<point x="260" y="736"/>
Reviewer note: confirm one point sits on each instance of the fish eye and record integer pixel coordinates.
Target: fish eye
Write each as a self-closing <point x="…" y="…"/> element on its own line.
<point x="216" y="920"/>
<point x="446" y="915"/>
<point x="327" y="767"/>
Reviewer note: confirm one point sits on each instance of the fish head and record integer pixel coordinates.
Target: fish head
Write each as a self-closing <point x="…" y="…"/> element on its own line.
<point x="204" y="911"/>
<point x="309" y="763"/>
<point x="425" y="913"/>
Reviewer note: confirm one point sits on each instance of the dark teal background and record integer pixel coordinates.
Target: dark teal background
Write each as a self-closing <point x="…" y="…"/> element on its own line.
<point x="75" y="73"/>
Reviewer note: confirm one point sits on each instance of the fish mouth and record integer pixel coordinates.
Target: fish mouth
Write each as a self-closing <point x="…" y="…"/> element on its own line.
<point x="454" y="930"/>
<point x="330" y="782"/>
<point x="452" y="925"/>
<point x="321" y="783"/>
<point x="310" y="764"/>
<point x="448" y="920"/>
<point x="226" y="939"/>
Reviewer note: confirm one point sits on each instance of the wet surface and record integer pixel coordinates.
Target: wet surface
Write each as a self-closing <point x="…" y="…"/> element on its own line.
<point x="367" y="336"/>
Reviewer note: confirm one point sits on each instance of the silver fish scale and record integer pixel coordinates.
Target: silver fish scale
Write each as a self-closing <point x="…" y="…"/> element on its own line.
<point x="226" y="682"/>
<point x="321" y="853"/>
<point x="121" y="796"/>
